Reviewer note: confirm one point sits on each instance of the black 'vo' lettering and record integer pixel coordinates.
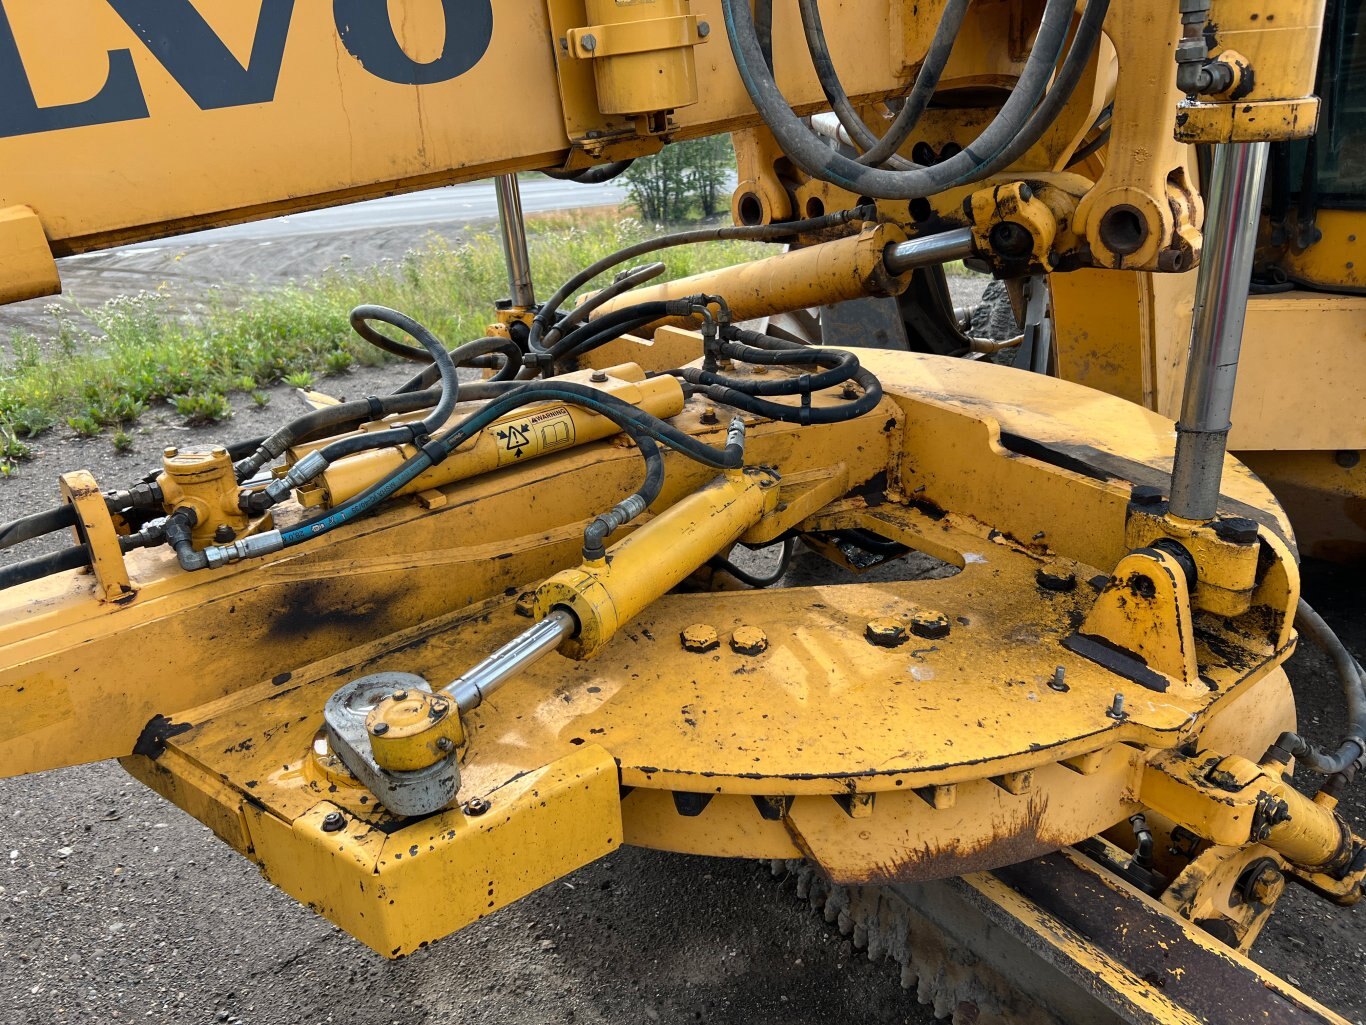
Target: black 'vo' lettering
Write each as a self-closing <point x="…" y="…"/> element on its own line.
<point x="176" y="34"/>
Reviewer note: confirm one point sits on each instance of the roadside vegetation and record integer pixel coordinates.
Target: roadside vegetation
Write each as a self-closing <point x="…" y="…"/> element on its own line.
<point x="143" y="354"/>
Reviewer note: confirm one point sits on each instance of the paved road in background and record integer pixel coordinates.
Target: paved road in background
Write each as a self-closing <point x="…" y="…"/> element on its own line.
<point x="463" y="203"/>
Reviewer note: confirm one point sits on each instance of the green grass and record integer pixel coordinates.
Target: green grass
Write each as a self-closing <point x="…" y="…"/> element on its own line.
<point x="144" y="354"/>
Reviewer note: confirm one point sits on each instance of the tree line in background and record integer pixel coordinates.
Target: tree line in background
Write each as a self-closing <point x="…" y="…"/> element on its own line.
<point x="684" y="181"/>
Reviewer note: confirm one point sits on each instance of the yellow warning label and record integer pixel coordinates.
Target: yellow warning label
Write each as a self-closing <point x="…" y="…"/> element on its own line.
<point x="534" y="434"/>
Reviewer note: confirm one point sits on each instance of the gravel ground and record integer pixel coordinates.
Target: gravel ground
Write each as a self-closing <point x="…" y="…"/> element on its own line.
<point x="116" y="906"/>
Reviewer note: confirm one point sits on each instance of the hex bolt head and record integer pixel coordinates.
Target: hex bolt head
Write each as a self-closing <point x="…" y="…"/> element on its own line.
<point x="1146" y="495"/>
<point x="1267" y="885"/>
<point x="334" y="822"/>
<point x="1058" y="681"/>
<point x="886" y="633"/>
<point x="224" y="534"/>
<point x="929" y="624"/>
<point x="589" y="42"/>
<point x="598" y="377"/>
<point x="1056" y="576"/>
<point x="703" y="30"/>
<point x="1238" y="530"/>
<point x="475" y="807"/>
<point x="399" y="695"/>
<point x="700" y="638"/>
<point x="748" y="640"/>
<point x="445" y="744"/>
<point x="379" y="729"/>
<point x="709" y="415"/>
<point x="1116" y="709"/>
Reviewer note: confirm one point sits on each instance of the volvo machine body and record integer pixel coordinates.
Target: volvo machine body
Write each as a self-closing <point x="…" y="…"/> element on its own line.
<point x="417" y="655"/>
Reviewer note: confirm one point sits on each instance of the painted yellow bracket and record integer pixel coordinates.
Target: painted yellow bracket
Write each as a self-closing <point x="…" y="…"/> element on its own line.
<point x="27" y="269"/>
<point x="398" y="891"/>
<point x="1141" y="625"/>
<point x="95" y="528"/>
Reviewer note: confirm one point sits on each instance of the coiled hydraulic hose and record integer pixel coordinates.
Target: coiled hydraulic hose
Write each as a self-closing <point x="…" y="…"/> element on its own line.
<point x="313" y="464"/>
<point x="880" y="152"/>
<point x="339" y="418"/>
<point x="811" y="154"/>
<point x="746" y="393"/>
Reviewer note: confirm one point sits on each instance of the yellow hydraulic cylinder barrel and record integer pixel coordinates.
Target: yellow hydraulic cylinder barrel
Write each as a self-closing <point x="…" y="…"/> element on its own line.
<point x="828" y="272"/>
<point x="604" y="595"/>
<point x="519" y="437"/>
<point x="1304" y="831"/>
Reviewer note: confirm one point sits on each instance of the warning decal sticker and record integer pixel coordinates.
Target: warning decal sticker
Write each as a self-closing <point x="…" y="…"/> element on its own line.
<point x="534" y="434"/>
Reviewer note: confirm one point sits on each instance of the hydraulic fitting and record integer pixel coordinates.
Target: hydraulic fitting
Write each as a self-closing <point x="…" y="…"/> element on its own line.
<point x="248" y="548"/>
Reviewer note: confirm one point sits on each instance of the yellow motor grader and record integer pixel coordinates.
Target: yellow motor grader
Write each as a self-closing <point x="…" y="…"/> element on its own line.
<point x="419" y="654"/>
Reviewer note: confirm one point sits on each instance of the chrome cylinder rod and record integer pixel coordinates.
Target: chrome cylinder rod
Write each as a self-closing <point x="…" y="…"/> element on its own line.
<point x="945" y="247"/>
<point x="514" y="241"/>
<point x="527" y="647"/>
<point x="1221" y="289"/>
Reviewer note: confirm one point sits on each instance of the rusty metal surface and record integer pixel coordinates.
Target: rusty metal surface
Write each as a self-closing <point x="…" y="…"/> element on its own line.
<point x="1052" y="941"/>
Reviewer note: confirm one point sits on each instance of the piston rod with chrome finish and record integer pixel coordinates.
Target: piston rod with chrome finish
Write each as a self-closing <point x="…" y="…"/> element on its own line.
<point x="512" y="229"/>
<point x="527" y="647"/>
<point x="1221" y="291"/>
<point x="929" y="250"/>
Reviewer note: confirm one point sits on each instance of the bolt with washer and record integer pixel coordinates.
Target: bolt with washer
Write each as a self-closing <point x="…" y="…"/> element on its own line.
<point x="334" y="822"/>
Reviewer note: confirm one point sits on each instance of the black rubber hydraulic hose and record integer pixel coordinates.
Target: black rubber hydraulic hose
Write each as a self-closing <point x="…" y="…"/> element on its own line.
<point x="470" y="355"/>
<point x="1084" y="43"/>
<point x="543" y="326"/>
<point x="810" y="152"/>
<point x="312" y="465"/>
<point x="437" y="353"/>
<point x="878" y="152"/>
<point x="331" y="420"/>
<point x="752" y="580"/>
<point x="805" y="413"/>
<point x="16" y="573"/>
<point x="599" y="175"/>
<point x="435" y="450"/>
<point x="602" y="527"/>
<point x="1353" y="746"/>
<point x="26" y="528"/>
